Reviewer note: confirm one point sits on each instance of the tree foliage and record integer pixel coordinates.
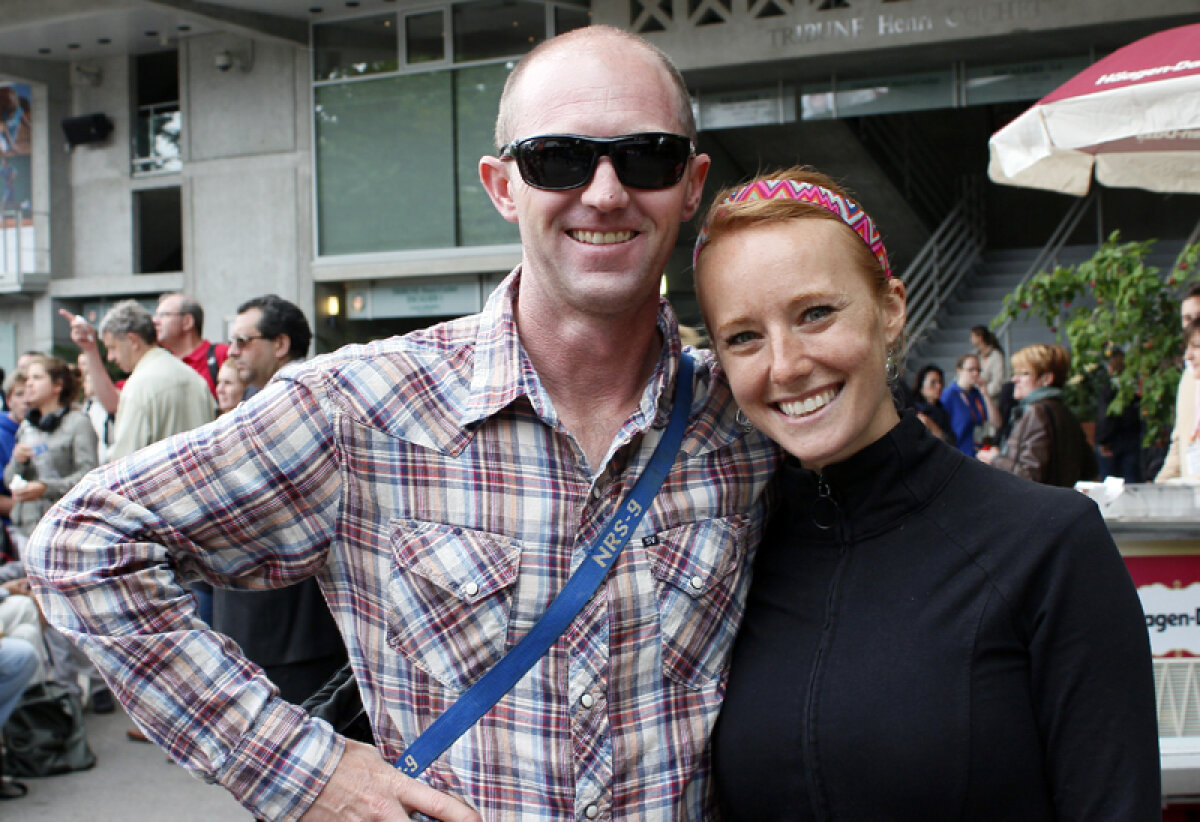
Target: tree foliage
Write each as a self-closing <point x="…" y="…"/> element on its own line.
<point x="1116" y="299"/>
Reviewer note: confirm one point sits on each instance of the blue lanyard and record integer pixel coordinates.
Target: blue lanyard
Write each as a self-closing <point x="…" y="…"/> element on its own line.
<point x="600" y="556"/>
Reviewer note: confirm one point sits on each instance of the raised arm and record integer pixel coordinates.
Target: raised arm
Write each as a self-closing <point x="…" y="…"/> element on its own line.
<point x="84" y="336"/>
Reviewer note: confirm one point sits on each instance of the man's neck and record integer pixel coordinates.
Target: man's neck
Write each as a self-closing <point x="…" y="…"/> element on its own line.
<point x="594" y="371"/>
<point x="184" y="345"/>
<point x="141" y="355"/>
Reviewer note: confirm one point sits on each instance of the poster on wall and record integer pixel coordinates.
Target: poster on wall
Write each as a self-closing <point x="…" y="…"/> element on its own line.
<point x="16" y="201"/>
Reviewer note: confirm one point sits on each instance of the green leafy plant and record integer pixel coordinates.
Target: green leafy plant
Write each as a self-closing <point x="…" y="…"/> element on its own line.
<point x="1115" y="299"/>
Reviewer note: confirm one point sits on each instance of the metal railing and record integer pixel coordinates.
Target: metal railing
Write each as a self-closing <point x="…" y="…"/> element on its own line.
<point x="11" y="251"/>
<point x="1193" y="238"/>
<point x="915" y="165"/>
<point x="953" y="249"/>
<point x="1047" y="258"/>
<point x="156" y="138"/>
<point x="1177" y="690"/>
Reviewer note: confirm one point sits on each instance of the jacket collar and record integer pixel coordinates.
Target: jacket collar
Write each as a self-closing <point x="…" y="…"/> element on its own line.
<point x="875" y="489"/>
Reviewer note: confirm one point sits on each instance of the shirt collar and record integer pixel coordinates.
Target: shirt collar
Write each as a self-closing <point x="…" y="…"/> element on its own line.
<point x="503" y="372"/>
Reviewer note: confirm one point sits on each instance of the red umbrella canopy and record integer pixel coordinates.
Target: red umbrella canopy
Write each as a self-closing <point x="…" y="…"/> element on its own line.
<point x="1132" y="119"/>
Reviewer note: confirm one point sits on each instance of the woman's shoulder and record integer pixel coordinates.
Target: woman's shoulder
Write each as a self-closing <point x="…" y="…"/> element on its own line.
<point x="74" y="418"/>
<point x="1012" y="503"/>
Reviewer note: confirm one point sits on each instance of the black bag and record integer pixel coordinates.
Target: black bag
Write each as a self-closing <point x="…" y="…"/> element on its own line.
<point x="45" y="734"/>
<point x="339" y="702"/>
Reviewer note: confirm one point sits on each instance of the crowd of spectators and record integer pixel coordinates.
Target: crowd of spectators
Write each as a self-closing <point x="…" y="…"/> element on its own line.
<point x="59" y="420"/>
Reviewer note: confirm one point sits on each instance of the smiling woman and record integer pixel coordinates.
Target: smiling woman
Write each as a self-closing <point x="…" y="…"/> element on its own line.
<point x="913" y="646"/>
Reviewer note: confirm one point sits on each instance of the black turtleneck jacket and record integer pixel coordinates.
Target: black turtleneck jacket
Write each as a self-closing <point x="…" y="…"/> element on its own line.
<point x="928" y="638"/>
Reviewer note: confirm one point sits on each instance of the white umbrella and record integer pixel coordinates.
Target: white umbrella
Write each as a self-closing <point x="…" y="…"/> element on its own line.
<point x="1132" y="119"/>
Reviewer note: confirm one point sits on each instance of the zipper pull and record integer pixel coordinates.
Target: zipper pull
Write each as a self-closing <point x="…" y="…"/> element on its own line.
<point x="825" y="511"/>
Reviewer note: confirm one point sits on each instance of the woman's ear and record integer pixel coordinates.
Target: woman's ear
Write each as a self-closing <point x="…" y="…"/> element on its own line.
<point x="895" y="309"/>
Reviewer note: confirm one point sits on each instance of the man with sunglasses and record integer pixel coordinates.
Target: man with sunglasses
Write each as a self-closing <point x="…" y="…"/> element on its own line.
<point x="444" y="486"/>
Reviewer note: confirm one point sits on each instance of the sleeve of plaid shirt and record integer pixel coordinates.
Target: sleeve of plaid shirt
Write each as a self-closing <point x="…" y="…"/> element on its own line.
<point x="247" y="501"/>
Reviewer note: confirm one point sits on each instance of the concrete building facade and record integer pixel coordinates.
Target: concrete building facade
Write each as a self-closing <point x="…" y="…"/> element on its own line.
<point x="326" y="150"/>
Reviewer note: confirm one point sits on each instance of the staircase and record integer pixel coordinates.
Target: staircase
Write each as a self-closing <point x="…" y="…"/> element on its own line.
<point x="977" y="300"/>
<point x="979" y="297"/>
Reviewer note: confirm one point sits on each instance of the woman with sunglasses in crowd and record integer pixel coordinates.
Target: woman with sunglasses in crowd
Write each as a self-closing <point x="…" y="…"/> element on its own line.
<point x="924" y="637"/>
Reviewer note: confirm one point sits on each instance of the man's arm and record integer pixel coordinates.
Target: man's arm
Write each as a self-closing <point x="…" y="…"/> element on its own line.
<point x="84" y="336"/>
<point x="249" y="501"/>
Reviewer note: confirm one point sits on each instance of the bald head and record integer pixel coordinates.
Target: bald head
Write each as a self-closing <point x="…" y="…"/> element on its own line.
<point x="600" y="39"/>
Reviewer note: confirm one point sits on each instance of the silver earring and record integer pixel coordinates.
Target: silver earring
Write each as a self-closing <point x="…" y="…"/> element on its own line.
<point x="743" y="421"/>
<point x="892" y="369"/>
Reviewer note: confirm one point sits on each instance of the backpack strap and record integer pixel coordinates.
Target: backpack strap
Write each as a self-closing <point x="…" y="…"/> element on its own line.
<point x="213" y="365"/>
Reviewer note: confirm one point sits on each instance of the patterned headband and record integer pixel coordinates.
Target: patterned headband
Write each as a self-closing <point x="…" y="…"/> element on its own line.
<point x="845" y="209"/>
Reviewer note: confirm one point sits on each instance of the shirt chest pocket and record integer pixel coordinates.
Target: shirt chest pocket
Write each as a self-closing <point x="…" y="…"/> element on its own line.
<point x="700" y="574"/>
<point x="450" y="595"/>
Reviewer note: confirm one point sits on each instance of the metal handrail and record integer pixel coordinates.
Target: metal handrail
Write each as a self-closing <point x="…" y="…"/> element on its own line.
<point x="13" y="252"/>
<point x="922" y="177"/>
<point x="1048" y="257"/>
<point x="1193" y="238"/>
<point x="953" y="249"/>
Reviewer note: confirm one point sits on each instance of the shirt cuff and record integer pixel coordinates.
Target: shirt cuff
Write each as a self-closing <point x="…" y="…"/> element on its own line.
<point x="282" y="763"/>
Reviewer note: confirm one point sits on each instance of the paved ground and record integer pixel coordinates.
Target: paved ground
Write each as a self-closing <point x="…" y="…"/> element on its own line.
<point x="132" y="782"/>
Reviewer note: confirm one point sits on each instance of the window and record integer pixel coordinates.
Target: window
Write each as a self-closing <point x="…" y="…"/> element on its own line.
<point x="399" y="131"/>
<point x="158" y="227"/>
<point x="1019" y="81"/>
<point x="352" y="48"/>
<point x="497" y="28"/>
<point x="568" y="18"/>
<point x="425" y="38"/>
<point x="157" y="122"/>
<point x="396" y="162"/>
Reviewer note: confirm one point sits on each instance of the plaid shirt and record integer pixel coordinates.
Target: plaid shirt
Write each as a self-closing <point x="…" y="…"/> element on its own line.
<point x="429" y="485"/>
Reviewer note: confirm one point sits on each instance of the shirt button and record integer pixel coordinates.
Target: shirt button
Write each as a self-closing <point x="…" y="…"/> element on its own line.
<point x="697" y="583"/>
<point x="597" y="491"/>
<point x="470" y="589"/>
<point x="592" y="812"/>
<point x="587" y="700"/>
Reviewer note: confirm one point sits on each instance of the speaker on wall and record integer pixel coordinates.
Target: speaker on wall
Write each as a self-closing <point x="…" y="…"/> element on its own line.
<point x="90" y="128"/>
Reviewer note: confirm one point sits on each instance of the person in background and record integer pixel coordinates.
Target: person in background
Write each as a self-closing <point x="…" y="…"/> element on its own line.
<point x="1118" y="436"/>
<point x="991" y="361"/>
<point x="179" y="322"/>
<point x="1047" y="443"/>
<point x="1183" y="460"/>
<point x="102" y="421"/>
<point x="162" y="396"/>
<point x="927" y="402"/>
<point x="19" y="615"/>
<point x="19" y="667"/>
<point x="925" y="638"/>
<point x="439" y="484"/>
<point x="230" y="387"/>
<point x="969" y="407"/>
<point x="10" y="419"/>
<point x="56" y="446"/>
<point x="288" y="631"/>
<point x="268" y="333"/>
<point x="1174" y="464"/>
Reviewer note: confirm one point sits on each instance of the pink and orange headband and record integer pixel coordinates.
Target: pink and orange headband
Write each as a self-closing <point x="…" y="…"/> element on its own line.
<point x="845" y="209"/>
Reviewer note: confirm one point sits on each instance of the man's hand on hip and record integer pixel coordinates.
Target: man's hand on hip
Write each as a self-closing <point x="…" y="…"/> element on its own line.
<point x="365" y="788"/>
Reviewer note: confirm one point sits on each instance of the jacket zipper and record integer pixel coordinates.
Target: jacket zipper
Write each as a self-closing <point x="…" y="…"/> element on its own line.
<point x="825" y="504"/>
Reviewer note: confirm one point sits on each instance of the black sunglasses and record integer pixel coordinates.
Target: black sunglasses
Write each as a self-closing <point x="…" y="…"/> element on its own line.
<point x="559" y="162"/>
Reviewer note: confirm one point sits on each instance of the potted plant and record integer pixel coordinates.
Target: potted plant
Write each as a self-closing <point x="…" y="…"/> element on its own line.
<point x="1115" y="299"/>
